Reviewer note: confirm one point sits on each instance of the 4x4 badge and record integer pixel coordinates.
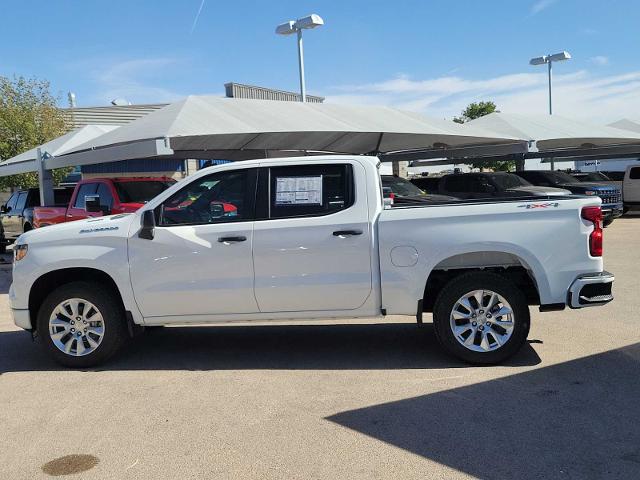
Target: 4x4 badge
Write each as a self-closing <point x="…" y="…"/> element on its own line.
<point x="540" y="205"/>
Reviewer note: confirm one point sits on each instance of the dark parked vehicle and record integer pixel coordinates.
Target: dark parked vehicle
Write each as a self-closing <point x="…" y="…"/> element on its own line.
<point x="16" y="215"/>
<point x="609" y="193"/>
<point x="492" y="185"/>
<point x="427" y="184"/>
<point x="597" y="177"/>
<point x="404" y="192"/>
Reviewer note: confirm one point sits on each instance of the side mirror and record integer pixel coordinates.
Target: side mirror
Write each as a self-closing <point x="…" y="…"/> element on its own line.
<point x="92" y="204"/>
<point x="216" y="210"/>
<point x="4" y="209"/>
<point x="148" y="222"/>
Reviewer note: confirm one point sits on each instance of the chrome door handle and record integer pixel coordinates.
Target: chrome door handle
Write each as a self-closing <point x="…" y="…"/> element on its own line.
<point x="346" y="233"/>
<point x="231" y="239"/>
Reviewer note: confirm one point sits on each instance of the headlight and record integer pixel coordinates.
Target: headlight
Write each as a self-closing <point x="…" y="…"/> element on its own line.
<point x="590" y="192"/>
<point x="20" y="251"/>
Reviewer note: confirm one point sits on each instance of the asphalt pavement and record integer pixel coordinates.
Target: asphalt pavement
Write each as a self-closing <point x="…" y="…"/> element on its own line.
<point x="334" y="400"/>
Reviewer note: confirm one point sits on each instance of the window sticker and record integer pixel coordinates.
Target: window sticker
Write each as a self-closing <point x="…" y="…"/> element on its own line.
<point x="299" y="190"/>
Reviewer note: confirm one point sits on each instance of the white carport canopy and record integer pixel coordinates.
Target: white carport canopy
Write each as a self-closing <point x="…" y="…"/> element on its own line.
<point x="28" y="161"/>
<point x="214" y="127"/>
<point x="558" y="135"/>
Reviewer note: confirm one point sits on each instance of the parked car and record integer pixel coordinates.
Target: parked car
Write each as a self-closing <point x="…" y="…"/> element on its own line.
<point x="593" y="177"/>
<point x="309" y="238"/>
<point x="404" y="192"/>
<point x="492" y="185"/>
<point x="426" y="184"/>
<point x="16" y="215"/>
<point x="610" y="194"/>
<point x="631" y="188"/>
<point x="113" y="195"/>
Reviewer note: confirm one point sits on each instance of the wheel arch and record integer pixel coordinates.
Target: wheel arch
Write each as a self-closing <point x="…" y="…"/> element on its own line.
<point x="49" y="281"/>
<point x="505" y="264"/>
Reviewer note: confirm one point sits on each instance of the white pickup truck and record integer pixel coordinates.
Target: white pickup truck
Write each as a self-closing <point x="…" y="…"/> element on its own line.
<point x="307" y="238"/>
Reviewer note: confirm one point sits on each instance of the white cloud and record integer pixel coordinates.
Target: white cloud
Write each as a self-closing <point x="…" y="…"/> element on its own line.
<point x="135" y="80"/>
<point x="580" y="94"/>
<point x="599" y="60"/>
<point x="541" y="5"/>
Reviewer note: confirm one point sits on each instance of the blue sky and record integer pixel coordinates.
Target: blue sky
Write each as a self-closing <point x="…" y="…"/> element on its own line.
<point x="430" y="56"/>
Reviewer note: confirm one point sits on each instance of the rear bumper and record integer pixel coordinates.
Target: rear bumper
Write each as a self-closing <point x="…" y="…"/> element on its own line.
<point x="591" y="290"/>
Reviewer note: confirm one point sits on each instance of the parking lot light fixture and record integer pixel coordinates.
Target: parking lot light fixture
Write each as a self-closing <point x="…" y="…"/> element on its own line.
<point x="291" y="27"/>
<point x="549" y="59"/>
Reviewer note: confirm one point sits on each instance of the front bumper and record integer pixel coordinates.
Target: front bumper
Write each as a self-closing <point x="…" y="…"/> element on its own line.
<point x="22" y="318"/>
<point x="591" y="290"/>
<point x="611" y="211"/>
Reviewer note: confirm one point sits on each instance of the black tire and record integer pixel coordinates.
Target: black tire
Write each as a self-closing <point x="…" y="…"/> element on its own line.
<point x="625" y="209"/>
<point x="3" y="248"/>
<point x="469" y="282"/>
<point x="109" y="305"/>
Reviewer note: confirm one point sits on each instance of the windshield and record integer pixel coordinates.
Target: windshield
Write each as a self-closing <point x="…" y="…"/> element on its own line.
<point x="400" y="186"/>
<point x="506" y="181"/>
<point x="561" y="177"/>
<point x="140" y="191"/>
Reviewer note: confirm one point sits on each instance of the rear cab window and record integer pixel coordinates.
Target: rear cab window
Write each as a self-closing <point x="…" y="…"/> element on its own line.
<point x="634" y="173"/>
<point x="309" y="190"/>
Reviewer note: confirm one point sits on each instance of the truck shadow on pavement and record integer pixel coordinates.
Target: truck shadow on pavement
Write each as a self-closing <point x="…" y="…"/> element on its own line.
<point x="579" y="419"/>
<point x="286" y="347"/>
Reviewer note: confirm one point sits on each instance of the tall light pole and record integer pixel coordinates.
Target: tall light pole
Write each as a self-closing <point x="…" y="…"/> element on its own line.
<point x="290" y="27"/>
<point x="549" y="59"/>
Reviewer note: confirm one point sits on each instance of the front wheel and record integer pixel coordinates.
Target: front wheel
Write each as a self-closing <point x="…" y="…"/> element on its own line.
<point x="481" y="318"/>
<point x="82" y="324"/>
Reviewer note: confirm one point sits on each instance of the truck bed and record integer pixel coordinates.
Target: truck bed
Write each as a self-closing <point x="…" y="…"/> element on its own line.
<point x="544" y="235"/>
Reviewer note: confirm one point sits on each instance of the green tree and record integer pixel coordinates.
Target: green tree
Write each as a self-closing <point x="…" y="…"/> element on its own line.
<point x="29" y="116"/>
<point x="476" y="110"/>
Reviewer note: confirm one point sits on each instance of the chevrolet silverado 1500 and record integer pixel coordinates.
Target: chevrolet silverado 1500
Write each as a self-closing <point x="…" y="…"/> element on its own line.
<point x="303" y="238"/>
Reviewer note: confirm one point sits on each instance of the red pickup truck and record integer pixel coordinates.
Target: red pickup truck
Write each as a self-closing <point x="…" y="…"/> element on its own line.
<point x="116" y="195"/>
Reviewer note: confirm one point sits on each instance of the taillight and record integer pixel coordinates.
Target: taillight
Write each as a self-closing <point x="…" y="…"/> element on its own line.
<point x="392" y="196"/>
<point x="594" y="215"/>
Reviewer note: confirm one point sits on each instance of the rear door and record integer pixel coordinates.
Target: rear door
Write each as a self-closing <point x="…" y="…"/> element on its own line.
<point x="13" y="222"/>
<point x="6" y="217"/>
<point x="312" y="241"/>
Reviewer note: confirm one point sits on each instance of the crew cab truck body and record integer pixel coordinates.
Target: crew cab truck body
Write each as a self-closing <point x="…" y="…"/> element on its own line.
<point x="115" y="195"/>
<point x="307" y="238"/>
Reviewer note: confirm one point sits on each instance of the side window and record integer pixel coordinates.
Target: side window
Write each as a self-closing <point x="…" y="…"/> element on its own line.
<point x="106" y="198"/>
<point x="84" y="190"/>
<point x="634" y="174"/>
<point x="218" y="198"/>
<point x="309" y="190"/>
<point x="22" y="201"/>
<point x="11" y="203"/>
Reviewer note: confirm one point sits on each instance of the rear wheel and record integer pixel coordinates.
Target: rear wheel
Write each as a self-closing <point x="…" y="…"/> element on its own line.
<point x="607" y="222"/>
<point x="481" y="318"/>
<point x="82" y="324"/>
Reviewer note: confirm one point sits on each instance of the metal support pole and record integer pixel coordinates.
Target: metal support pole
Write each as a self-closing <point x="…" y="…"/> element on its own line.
<point x="303" y="90"/>
<point x="45" y="181"/>
<point x="553" y="166"/>
<point x="550" y="107"/>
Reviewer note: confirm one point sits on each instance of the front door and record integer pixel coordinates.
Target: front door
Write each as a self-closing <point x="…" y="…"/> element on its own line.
<point x="199" y="261"/>
<point x="312" y="246"/>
